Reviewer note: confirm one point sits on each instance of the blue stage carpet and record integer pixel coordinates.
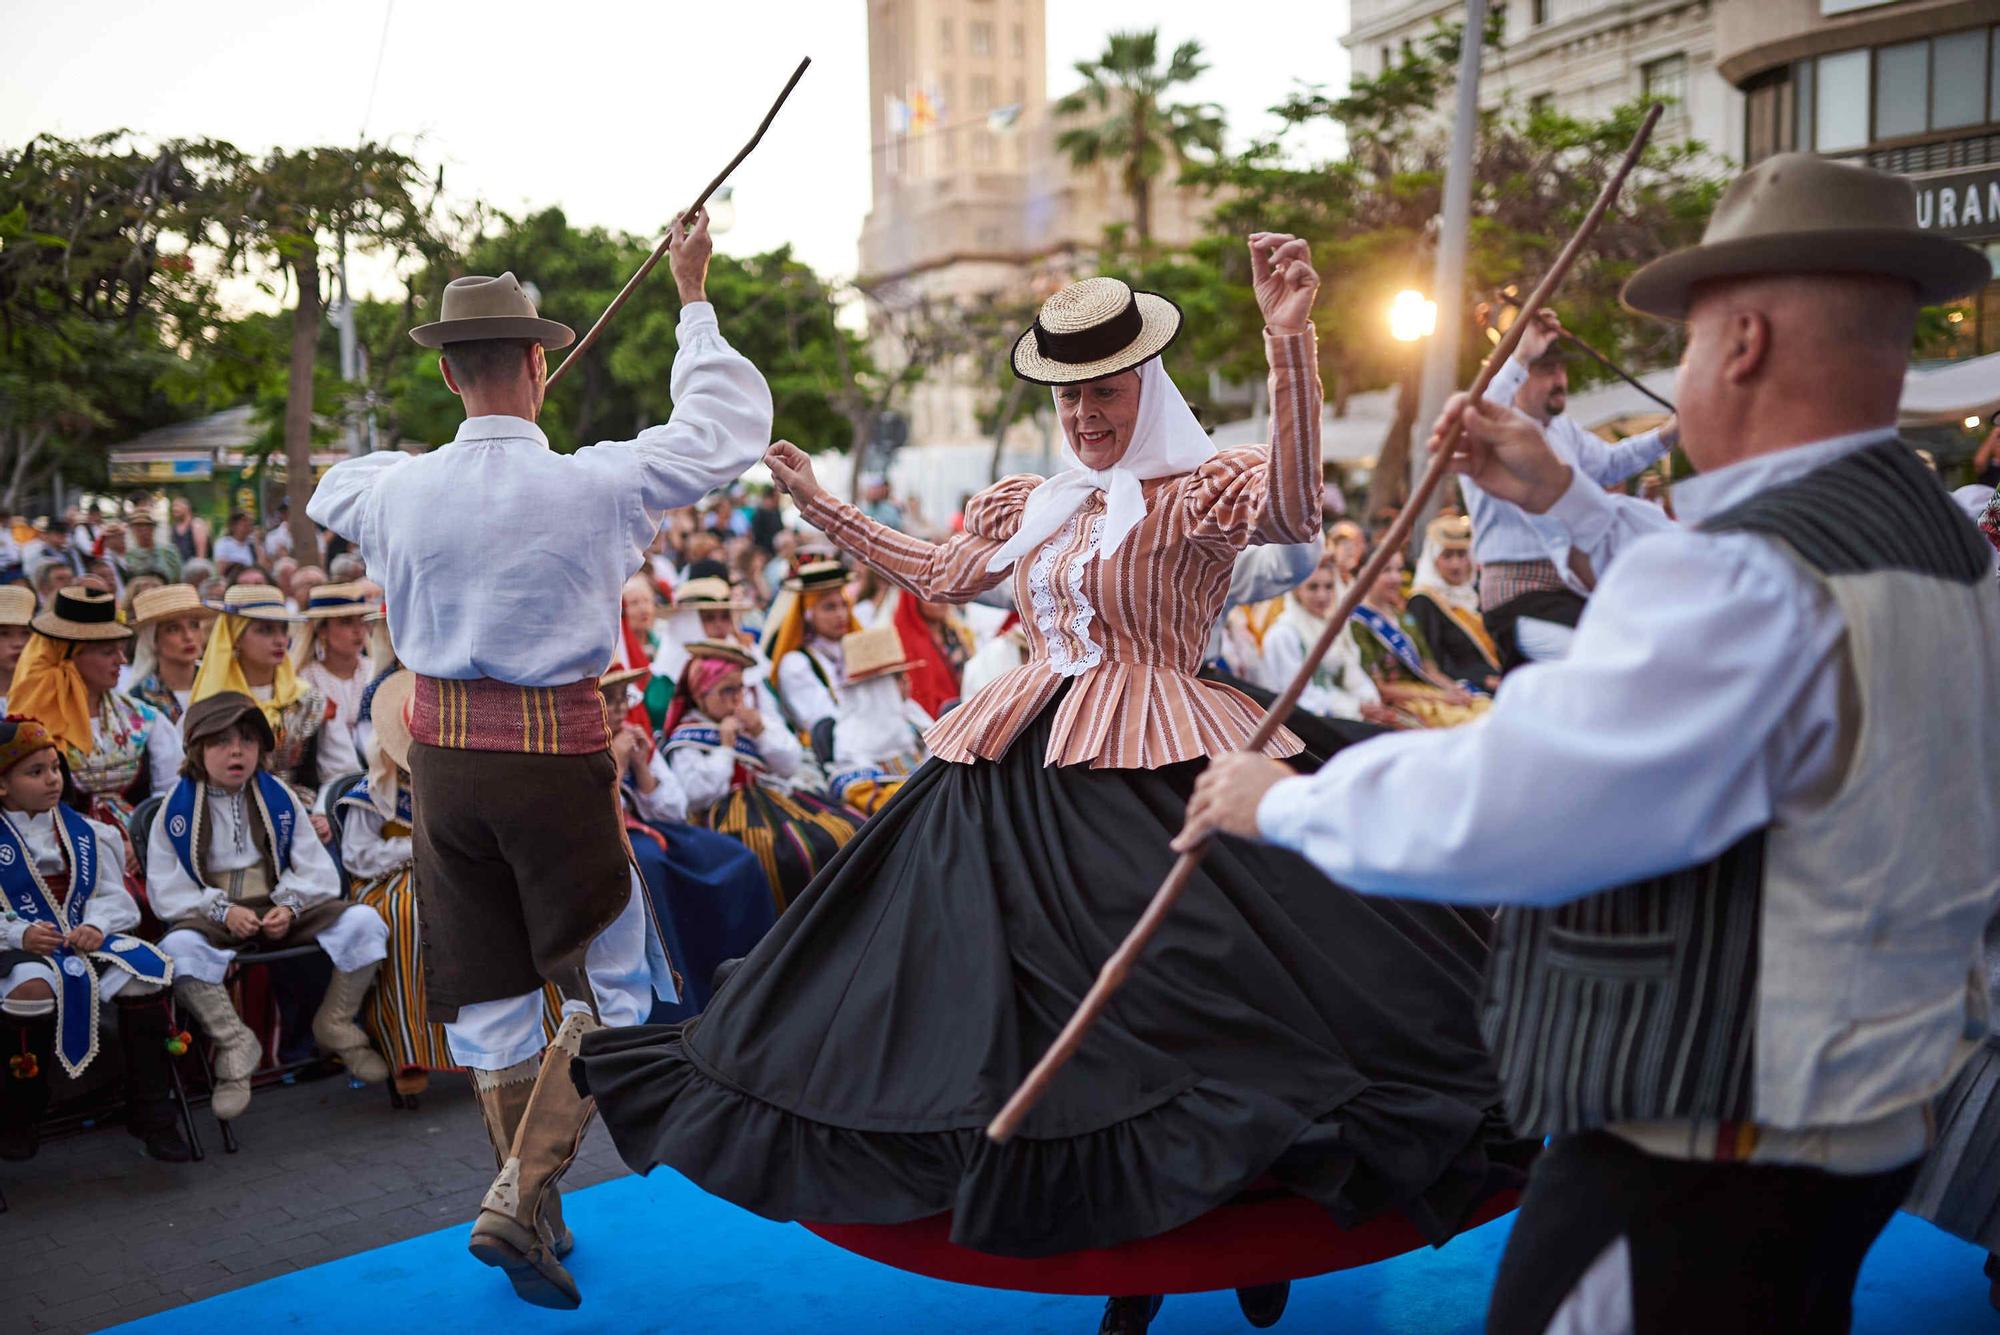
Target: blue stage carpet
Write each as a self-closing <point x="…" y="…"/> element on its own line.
<point x="657" y="1254"/>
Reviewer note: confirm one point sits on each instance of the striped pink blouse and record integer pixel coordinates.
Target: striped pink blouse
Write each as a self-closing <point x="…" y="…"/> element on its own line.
<point x="1128" y="632"/>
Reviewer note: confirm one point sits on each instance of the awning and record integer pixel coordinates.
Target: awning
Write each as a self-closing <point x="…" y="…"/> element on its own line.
<point x="1943" y="394"/>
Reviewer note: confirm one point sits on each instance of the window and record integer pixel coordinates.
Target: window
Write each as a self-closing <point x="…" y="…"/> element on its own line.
<point x="1902" y="77"/>
<point x="1538" y="12"/>
<point x="1666" y="80"/>
<point x="1020" y="92"/>
<point x="1388" y="56"/>
<point x="982" y="146"/>
<point x="979" y="38"/>
<point x="1805" y="78"/>
<point x="1018" y="41"/>
<point x="1840" y="119"/>
<point x="1958" y="80"/>
<point x="1541" y="104"/>
<point x="982" y="94"/>
<point x="1769" y="125"/>
<point x="944" y="36"/>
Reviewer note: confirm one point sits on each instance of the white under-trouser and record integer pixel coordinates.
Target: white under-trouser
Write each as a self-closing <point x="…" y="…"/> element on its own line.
<point x="493" y="1035"/>
<point x="356" y="939"/>
<point x="1543" y="641"/>
<point x="1601" y="1302"/>
<point x="111" y="980"/>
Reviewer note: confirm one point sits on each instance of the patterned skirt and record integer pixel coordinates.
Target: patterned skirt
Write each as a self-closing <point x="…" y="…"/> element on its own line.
<point x="394" y="1014"/>
<point x="792" y="834"/>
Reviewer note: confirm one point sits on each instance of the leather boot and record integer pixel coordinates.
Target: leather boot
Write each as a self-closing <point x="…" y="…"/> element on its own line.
<point x="237" y="1051"/>
<point x="143" y="1030"/>
<point x="334" y="1027"/>
<point x="1263" y="1304"/>
<point x="508" y="1232"/>
<point x="30" y="1050"/>
<point x="503" y="1097"/>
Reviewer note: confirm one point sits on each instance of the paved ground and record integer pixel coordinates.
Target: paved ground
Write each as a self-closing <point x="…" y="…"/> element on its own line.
<point x="96" y="1233"/>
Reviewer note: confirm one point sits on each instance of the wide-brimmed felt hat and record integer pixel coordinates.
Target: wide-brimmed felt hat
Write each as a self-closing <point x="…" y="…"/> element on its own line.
<point x="478" y="308"/>
<point x="1092" y="329"/>
<point x="728" y="653"/>
<point x="17" y="605"/>
<point x="708" y="595"/>
<point x="216" y="714"/>
<point x="876" y="652"/>
<point x="818" y="577"/>
<point x="389" y="715"/>
<point x="259" y="602"/>
<point x="1798" y="213"/>
<point x="328" y="601"/>
<point x="167" y="601"/>
<point x="81" y="614"/>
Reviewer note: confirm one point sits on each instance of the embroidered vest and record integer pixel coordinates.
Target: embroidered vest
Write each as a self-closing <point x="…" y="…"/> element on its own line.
<point x="1822" y="971"/>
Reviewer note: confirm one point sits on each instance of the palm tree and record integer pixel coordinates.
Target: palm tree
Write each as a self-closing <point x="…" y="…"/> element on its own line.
<point x="1131" y="124"/>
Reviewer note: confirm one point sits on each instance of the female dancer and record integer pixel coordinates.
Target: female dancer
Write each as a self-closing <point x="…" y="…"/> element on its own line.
<point x="1283" y="1028"/>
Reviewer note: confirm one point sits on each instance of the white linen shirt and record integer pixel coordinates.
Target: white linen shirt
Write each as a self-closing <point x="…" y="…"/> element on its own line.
<point x="1502" y="531"/>
<point x="503" y="559"/>
<point x="1701" y="696"/>
<point x="111" y="908"/>
<point x="311" y="878"/>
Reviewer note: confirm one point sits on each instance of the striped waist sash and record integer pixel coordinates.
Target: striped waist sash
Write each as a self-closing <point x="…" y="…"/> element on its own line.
<point x="488" y="715"/>
<point x="1503" y="581"/>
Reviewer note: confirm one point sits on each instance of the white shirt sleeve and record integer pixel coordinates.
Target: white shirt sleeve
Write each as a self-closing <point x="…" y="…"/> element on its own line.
<point x="782" y="752"/>
<point x="1262" y="573"/>
<point x="721" y="424"/>
<point x="668" y="800"/>
<point x="170" y="890"/>
<point x="1605" y="463"/>
<point x="365" y="850"/>
<point x="311" y="878"/>
<point x="1599" y="524"/>
<point x="704" y="775"/>
<point x="164" y="752"/>
<point x="340" y="502"/>
<point x="804" y="694"/>
<point x="1698" y="688"/>
<point x="111" y="906"/>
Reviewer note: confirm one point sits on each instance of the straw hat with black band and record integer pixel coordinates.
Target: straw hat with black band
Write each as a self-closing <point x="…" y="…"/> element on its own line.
<point x="1798" y="213"/>
<point x="47" y="684"/>
<point x="475" y="308"/>
<point x="80" y="615"/>
<point x="1092" y="329"/>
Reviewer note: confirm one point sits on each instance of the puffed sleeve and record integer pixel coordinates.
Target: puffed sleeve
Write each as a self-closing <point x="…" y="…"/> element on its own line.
<point x="953" y="571"/>
<point x="1259" y="494"/>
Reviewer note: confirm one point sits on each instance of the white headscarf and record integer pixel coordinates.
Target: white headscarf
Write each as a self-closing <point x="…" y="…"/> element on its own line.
<point x="1166" y="440"/>
<point x="1464" y="596"/>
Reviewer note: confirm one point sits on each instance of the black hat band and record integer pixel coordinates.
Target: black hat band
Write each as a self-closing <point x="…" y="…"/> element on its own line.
<point x="99" y="611"/>
<point x="1095" y="343"/>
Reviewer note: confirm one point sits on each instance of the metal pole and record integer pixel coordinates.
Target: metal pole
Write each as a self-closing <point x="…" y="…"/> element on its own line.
<point x="1448" y="279"/>
<point x="350" y="363"/>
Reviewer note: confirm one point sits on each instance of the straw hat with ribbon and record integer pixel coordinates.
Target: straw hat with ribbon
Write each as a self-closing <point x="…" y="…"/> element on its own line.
<point x="220" y="671"/>
<point x="1092" y="329"/>
<point x="872" y="653"/>
<point x="785" y="627"/>
<point x="330" y="602"/>
<point x="1798" y="213"/>
<point x="47" y="685"/>
<point x="476" y="308"/>
<point x="166" y="603"/>
<point x="17" y="605"/>
<point x="707" y="663"/>
<point x="708" y="595"/>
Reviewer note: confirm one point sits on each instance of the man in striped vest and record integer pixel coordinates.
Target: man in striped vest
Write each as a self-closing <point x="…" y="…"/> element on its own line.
<point x="1743" y="893"/>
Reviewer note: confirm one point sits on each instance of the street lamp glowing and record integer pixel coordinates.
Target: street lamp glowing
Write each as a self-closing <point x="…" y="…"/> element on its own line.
<point x="1971" y="423"/>
<point x="1412" y="316"/>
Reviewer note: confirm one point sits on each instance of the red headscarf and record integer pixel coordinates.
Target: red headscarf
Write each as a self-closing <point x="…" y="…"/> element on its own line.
<point x="933" y="680"/>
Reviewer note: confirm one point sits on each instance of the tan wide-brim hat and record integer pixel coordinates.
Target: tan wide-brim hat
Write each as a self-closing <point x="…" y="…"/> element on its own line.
<point x="1798" y="213"/>
<point x="613" y="682"/>
<point x="817" y="577"/>
<point x="167" y="602"/>
<point x="708" y="595"/>
<point x="1093" y="329"/>
<point x="477" y="308"/>
<point x="259" y="602"/>
<point x="328" y="601"/>
<point x="81" y="615"/>
<point x="876" y="652"/>
<point x="728" y="653"/>
<point x="17" y="605"/>
<point x="389" y="714"/>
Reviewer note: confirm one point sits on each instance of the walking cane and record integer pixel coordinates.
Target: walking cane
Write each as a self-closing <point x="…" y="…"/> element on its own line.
<point x="1119" y="966"/>
<point x="659" y="251"/>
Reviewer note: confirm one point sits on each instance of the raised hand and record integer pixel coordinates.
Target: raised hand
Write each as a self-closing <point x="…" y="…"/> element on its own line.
<point x="1542" y="331"/>
<point x="1286" y="283"/>
<point x="793" y="469"/>
<point x="688" y="254"/>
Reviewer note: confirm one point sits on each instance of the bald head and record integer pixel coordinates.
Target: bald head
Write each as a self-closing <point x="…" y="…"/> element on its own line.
<point x="1781" y="360"/>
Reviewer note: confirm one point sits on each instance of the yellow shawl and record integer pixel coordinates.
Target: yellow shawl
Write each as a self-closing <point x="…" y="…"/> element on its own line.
<point x="48" y="689"/>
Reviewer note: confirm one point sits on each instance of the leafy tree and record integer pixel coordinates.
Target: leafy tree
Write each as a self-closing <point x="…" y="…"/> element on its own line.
<point x="1128" y="120"/>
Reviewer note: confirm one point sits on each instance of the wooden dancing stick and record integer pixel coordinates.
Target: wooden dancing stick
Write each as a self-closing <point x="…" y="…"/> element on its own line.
<point x="1617" y="370"/>
<point x="1112" y="976"/>
<point x="659" y="251"/>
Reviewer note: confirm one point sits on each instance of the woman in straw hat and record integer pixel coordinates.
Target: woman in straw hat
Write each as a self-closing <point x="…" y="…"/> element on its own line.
<point x="735" y="764"/>
<point x="332" y="655"/>
<point x="376" y="849"/>
<point x="1286" y="1028"/>
<point x="878" y="738"/>
<point x="171" y="626"/>
<point x="119" y="750"/>
<point x="17" y="613"/>
<point x="250" y="651"/>
<point x="705" y="608"/>
<point x="802" y="642"/>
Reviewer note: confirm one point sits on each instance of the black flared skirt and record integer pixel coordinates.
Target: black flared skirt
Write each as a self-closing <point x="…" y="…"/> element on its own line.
<point x="1279" y="1028"/>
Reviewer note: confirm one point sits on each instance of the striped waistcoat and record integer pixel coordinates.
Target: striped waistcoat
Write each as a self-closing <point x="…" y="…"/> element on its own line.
<point x="1821" y="971"/>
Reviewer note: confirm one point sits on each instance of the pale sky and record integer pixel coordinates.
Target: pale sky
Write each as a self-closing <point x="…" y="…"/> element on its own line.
<point x="616" y="110"/>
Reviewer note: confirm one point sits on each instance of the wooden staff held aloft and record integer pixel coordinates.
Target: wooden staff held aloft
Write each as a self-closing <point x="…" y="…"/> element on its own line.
<point x="1116" y="969"/>
<point x="660" y="251"/>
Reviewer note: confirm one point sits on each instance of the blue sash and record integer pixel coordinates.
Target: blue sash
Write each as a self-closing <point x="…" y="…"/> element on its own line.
<point x="30" y="898"/>
<point x="187" y="807"/>
<point x="708" y="737"/>
<point x="1395" y="638"/>
<point x="357" y="796"/>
